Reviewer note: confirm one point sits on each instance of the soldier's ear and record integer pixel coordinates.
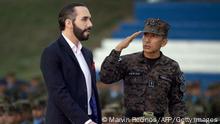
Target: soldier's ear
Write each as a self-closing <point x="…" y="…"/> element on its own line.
<point x="164" y="42"/>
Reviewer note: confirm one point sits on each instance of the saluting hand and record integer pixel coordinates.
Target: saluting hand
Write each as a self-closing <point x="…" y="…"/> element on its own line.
<point x="124" y="44"/>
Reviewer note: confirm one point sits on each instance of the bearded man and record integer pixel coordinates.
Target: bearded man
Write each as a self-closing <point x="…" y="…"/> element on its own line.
<point x="69" y="72"/>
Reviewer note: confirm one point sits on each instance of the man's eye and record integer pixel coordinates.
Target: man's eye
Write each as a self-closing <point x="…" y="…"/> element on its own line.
<point x="84" y="19"/>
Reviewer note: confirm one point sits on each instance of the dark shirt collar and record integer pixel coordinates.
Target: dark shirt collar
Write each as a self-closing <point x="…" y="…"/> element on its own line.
<point x="149" y="61"/>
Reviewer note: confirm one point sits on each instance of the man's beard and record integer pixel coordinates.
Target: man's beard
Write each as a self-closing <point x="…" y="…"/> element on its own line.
<point x="79" y="33"/>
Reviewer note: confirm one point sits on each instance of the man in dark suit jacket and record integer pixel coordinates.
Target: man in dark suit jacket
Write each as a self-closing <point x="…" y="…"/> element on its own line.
<point x="69" y="71"/>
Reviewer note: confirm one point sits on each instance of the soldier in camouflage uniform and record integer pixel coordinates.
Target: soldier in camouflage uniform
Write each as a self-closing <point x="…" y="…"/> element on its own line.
<point x="153" y="82"/>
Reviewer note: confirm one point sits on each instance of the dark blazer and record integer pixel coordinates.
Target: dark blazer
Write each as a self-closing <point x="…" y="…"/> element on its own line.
<point x="66" y="85"/>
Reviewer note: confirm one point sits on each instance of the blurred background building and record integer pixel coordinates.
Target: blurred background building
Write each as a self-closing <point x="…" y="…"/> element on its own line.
<point x="29" y="26"/>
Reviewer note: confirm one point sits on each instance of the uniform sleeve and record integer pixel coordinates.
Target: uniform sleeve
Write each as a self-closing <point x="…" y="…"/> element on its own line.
<point x="112" y="68"/>
<point x="177" y="106"/>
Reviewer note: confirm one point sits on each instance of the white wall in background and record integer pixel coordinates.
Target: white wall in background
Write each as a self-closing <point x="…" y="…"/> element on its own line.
<point x="192" y="55"/>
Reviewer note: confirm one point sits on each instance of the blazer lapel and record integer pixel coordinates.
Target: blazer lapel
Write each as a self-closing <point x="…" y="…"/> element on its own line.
<point x="65" y="46"/>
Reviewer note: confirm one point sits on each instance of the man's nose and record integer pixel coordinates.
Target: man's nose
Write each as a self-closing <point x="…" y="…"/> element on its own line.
<point x="89" y="23"/>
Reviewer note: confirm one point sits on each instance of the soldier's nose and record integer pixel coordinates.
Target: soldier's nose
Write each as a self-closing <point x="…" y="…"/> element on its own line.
<point x="146" y="41"/>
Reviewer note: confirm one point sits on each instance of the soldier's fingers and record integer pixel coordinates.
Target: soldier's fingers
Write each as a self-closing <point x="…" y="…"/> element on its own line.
<point x="135" y="34"/>
<point x="128" y="39"/>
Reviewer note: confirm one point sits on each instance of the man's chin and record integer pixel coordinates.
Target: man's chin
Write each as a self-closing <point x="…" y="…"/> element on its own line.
<point x="86" y="34"/>
<point x="85" y="38"/>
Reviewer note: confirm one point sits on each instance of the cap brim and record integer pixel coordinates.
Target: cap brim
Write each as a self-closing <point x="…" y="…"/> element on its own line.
<point x="151" y="32"/>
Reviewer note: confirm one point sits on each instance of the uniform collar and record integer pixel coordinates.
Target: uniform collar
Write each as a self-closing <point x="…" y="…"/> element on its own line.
<point x="143" y="59"/>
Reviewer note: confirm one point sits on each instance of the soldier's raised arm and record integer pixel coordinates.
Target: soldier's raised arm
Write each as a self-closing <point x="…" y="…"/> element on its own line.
<point x="112" y="68"/>
<point x="127" y="41"/>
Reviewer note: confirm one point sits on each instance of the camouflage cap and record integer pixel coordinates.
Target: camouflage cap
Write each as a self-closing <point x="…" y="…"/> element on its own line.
<point x="156" y="26"/>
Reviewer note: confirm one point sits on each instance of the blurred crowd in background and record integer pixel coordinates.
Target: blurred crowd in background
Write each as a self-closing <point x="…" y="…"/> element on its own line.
<point x="24" y="102"/>
<point x="21" y="101"/>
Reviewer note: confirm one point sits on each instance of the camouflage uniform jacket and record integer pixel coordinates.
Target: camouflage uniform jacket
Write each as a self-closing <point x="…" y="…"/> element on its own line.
<point x="155" y="89"/>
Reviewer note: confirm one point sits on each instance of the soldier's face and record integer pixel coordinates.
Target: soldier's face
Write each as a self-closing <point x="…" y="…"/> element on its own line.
<point x="82" y="24"/>
<point x="152" y="42"/>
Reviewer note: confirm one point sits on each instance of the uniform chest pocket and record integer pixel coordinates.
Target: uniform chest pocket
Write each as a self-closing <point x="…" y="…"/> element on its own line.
<point x="135" y="82"/>
<point x="135" y="77"/>
<point x="165" y="82"/>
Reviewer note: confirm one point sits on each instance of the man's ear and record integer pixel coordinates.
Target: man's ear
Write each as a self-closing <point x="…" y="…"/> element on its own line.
<point x="164" y="42"/>
<point x="68" y="23"/>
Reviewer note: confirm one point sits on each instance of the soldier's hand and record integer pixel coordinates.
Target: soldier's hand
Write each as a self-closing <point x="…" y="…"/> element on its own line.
<point x="124" y="44"/>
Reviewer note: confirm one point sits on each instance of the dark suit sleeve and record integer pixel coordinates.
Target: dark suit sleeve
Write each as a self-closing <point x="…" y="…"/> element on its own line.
<point x="57" y="90"/>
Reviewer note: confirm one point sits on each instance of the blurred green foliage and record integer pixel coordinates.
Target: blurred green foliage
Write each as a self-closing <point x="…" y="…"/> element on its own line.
<point x="27" y="26"/>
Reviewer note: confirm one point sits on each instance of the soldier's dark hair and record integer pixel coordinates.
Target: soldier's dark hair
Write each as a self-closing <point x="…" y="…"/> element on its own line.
<point x="67" y="12"/>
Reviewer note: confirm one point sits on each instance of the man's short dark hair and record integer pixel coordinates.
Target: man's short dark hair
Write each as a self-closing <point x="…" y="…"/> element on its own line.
<point x="67" y="12"/>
